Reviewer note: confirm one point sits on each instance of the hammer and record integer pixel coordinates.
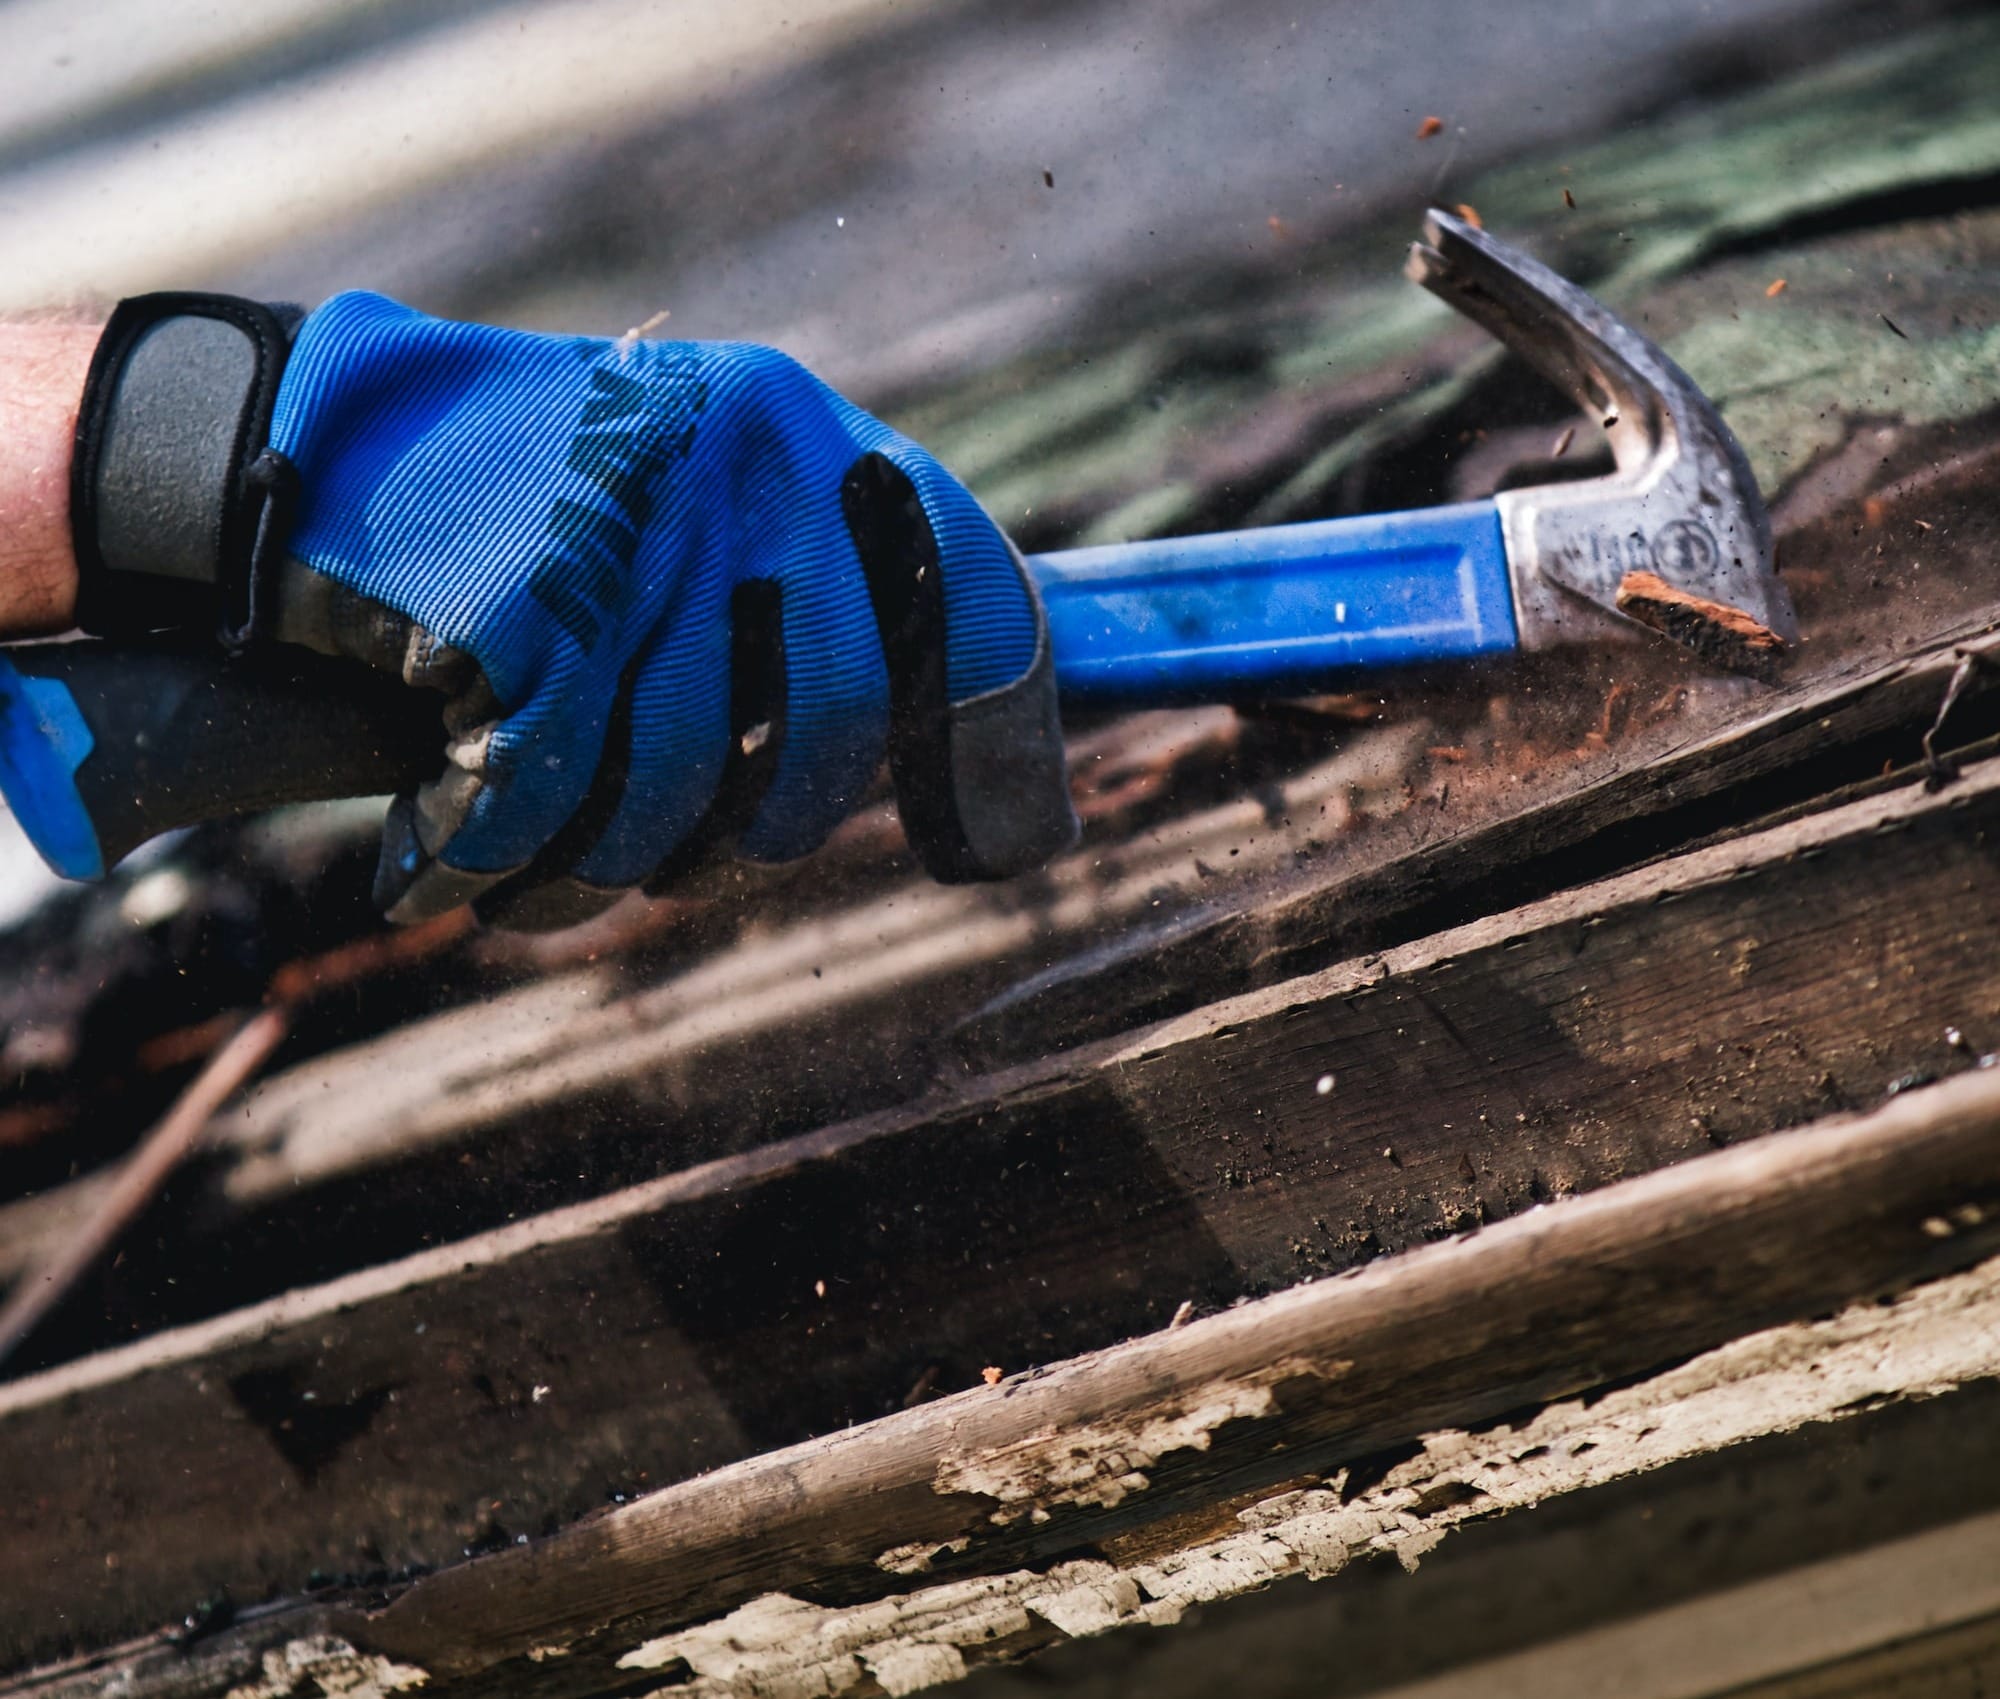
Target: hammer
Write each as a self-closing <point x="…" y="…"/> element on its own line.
<point x="104" y="745"/>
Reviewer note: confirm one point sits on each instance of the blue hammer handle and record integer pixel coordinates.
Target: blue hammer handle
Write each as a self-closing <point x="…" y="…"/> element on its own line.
<point x="103" y="746"/>
<point x="1288" y="609"/>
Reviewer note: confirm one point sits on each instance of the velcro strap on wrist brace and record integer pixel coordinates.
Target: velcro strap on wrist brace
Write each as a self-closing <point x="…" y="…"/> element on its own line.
<point x="176" y="501"/>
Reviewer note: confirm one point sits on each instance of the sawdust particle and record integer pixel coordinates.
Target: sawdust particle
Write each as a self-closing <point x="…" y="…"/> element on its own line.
<point x="1775" y="289"/>
<point x="1430" y="127"/>
<point x="1470" y="213"/>
<point x="1715" y="631"/>
<point x="990" y="1375"/>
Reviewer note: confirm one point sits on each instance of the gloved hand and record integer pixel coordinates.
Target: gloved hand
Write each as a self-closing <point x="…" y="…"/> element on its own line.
<point x="672" y="591"/>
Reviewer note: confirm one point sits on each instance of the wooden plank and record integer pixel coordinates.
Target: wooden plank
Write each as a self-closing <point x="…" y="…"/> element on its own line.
<point x="567" y="1088"/>
<point x="1774" y="1515"/>
<point x="1932" y="1600"/>
<point x="1205" y="1461"/>
<point x="499" y="1388"/>
<point x="1861" y="728"/>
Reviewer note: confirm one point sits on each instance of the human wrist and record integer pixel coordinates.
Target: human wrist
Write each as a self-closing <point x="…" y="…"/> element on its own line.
<point x="43" y="364"/>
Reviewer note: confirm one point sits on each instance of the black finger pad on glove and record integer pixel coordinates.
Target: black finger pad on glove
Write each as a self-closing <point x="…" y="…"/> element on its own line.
<point x="980" y="787"/>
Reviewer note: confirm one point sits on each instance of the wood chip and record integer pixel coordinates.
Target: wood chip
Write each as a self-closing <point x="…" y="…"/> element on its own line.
<point x="1717" y="633"/>
<point x="1430" y="127"/>
<point x="1470" y="213"/>
<point x="990" y="1375"/>
<point x="1777" y="288"/>
<point x="1569" y="200"/>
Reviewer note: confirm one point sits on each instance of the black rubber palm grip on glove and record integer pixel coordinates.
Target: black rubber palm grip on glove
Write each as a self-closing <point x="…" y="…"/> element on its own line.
<point x="176" y="500"/>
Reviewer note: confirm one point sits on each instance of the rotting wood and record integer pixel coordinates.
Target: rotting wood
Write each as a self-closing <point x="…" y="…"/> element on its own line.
<point x="1026" y="1527"/>
<point x="501" y="1387"/>
<point x="1788" y="749"/>
<point x="447" y="1119"/>
<point x="1778" y="1514"/>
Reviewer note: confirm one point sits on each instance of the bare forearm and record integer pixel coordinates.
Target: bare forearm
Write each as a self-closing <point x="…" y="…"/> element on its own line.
<point x="42" y="368"/>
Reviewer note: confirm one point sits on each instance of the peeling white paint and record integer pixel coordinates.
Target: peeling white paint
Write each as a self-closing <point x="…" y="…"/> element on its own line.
<point x="331" y="1665"/>
<point x="1100" y="1598"/>
<point x="1931" y="1340"/>
<point x="778" y="1647"/>
<point x="905" y="1668"/>
<point x="1103" y="1464"/>
<point x="916" y="1559"/>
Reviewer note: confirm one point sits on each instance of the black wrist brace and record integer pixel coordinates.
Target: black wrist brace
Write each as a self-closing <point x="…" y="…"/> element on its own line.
<point x="176" y="500"/>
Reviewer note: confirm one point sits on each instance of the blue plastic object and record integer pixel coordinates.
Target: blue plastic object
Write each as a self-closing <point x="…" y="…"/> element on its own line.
<point x="43" y="740"/>
<point x="1290" y="608"/>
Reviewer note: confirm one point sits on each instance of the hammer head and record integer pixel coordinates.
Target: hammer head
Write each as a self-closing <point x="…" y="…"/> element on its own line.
<point x="1676" y="539"/>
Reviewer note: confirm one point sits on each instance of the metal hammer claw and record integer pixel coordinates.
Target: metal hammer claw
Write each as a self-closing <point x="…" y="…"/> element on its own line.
<point x="1676" y="539"/>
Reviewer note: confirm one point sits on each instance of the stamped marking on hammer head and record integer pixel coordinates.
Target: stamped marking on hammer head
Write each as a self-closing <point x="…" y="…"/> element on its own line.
<point x="1681" y="512"/>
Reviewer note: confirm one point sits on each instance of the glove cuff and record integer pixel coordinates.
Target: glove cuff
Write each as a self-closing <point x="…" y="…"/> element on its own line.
<point x="176" y="500"/>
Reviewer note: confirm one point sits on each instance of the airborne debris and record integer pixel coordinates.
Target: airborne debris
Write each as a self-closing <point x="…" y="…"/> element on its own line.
<point x="990" y="1375"/>
<point x="1470" y="213"/>
<point x="1569" y="200"/>
<point x="1776" y="288"/>
<point x="1724" y="636"/>
<point x="1430" y="127"/>
<point x="644" y="328"/>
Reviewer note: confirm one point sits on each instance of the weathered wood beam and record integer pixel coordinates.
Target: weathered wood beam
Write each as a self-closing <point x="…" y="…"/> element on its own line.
<point x="1207" y="1460"/>
<point x="565" y="1089"/>
<point x="1859" y="730"/>
<point x="499" y="1388"/>
<point x="1906" y="1617"/>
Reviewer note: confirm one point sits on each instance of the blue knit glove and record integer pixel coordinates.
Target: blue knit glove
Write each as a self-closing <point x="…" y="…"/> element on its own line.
<point x="674" y="592"/>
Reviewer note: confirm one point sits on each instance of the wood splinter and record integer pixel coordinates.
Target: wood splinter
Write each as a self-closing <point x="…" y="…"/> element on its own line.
<point x="1717" y="633"/>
